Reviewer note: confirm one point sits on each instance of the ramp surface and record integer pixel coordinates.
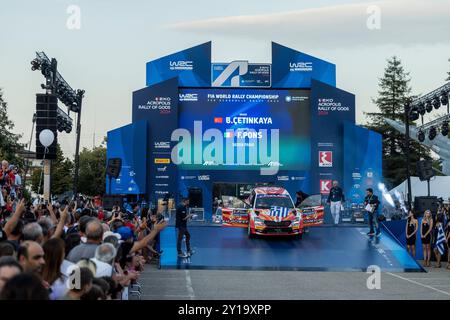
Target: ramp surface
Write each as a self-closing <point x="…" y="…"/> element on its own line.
<point x="322" y="249"/>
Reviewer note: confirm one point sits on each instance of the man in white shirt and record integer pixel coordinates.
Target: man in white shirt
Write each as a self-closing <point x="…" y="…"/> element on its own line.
<point x="104" y="256"/>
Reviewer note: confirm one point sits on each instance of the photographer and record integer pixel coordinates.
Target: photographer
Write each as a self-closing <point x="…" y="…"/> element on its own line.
<point x="371" y="204"/>
<point x="182" y="217"/>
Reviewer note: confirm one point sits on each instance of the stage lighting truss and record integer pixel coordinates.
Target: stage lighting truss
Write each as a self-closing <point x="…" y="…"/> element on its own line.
<point x="68" y="96"/>
<point x="431" y="100"/>
<point x="441" y="123"/>
<point x="63" y="121"/>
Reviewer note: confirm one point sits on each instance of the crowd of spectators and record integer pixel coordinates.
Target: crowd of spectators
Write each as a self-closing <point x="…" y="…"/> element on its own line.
<point x="71" y="250"/>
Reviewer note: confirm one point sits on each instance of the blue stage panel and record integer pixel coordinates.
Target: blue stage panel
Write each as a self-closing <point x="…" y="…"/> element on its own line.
<point x="322" y="249"/>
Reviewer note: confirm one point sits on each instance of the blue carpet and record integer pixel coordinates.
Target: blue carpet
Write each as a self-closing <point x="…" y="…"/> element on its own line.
<point x="322" y="249"/>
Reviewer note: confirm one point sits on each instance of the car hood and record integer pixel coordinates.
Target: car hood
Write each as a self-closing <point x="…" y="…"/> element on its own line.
<point x="269" y="215"/>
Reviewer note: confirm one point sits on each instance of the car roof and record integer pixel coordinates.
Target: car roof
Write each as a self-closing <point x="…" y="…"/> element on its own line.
<point x="271" y="190"/>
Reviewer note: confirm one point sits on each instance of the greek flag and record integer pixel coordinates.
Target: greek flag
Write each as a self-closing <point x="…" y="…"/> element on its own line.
<point x="280" y="212"/>
<point x="440" y="243"/>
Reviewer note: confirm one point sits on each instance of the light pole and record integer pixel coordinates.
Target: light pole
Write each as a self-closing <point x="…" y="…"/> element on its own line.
<point x="80" y="95"/>
<point x="408" y="114"/>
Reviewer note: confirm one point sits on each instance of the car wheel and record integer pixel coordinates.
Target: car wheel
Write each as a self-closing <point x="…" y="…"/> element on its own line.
<point x="300" y="236"/>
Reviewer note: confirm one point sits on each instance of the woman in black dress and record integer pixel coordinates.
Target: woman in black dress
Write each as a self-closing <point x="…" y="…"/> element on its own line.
<point x="425" y="235"/>
<point x="412" y="225"/>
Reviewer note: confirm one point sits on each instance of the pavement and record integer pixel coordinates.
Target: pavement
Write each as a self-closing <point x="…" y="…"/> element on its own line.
<point x="291" y="285"/>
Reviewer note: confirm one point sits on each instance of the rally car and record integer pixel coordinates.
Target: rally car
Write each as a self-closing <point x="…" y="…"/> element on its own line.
<point x="232" y="212"/>
<point x="273" y="213"/>
<point x="270" y="211"/>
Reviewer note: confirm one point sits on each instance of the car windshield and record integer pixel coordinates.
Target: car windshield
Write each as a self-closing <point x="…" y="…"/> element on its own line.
<point x="233" y="202"/>
<point x="266" y="202"/>
<point x="312" y="201"/>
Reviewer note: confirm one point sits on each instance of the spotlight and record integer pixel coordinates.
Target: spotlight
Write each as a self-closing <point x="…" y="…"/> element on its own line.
<point x="432" y="133"/>
<point x="444" y="128"/>
<point x="436" y="103"/>
<point x="35" y="65"/>
<point x="444" y="98"/>
<point x="46" y="69"/>
<point x="74" y="107"/>
<point x="414" y="115"/>
<point x="421" y="108"/>
<point x="421" y="136"/>
<point x="428" y="106"/>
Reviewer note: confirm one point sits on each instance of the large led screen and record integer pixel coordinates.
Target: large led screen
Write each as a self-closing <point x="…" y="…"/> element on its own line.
<point x="243" y="129"/>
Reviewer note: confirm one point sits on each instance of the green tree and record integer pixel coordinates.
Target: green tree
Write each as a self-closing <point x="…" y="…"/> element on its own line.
<point x="92" y="173"/>
<point x="448" y="73"/>
<point x="394" y="91"/>
<point x="61" y="175"/>
<point x="9" y="145"/>
<point x="37" y="181"/>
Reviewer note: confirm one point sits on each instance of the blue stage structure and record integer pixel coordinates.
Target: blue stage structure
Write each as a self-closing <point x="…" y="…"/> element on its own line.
<point x="293" y="99"/>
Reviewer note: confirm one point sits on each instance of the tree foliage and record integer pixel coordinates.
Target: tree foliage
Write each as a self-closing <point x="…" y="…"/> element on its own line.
<point x="394" y="91"/>
<point x="92" y="171"/>
<point x="448" y="74"/>
<point x="9" y="141"/>
<point x="61" y="175"/>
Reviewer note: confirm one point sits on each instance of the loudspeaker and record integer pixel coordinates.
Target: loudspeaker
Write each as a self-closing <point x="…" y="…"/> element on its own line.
<point x="110" y="201"/>
<point x="195" y="196"/>
<point x="425" y="203"/>
<point x="113" y="168"/>
<point x="46" y="106"/>
<point x="425" y="170"/>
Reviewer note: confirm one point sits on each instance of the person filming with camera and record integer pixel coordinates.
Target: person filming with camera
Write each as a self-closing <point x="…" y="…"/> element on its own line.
<point x="372" y="203"/>
<point x="182" y="216"/>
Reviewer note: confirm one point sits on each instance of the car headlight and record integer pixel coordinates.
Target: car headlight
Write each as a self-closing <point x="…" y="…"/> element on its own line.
<point x="297" y="220"/>
<point x="258" y="221"/>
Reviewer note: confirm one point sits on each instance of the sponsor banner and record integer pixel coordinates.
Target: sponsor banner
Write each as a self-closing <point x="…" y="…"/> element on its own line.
<point x="232" y="217"/>
<point x="158" y="106"/>
<point x="188" y="177"/>
<point x="313" y="217"/>
<point x="294" y="69"/>
<point x="162" y="160"/>
<point x="161" y="145"/>
<point x="162" y="104"/>
<point x="325" y="186"/>
<point x="325" y="145"/>
<point x="362" y="161"/>
<point x="241" y="74"/>
<point x="325" y="159"/>
<point x="325" y="106"/>
<point x="327" y="138"/>
<point x="192" y="67"/>
<point x="132" y="178"/>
